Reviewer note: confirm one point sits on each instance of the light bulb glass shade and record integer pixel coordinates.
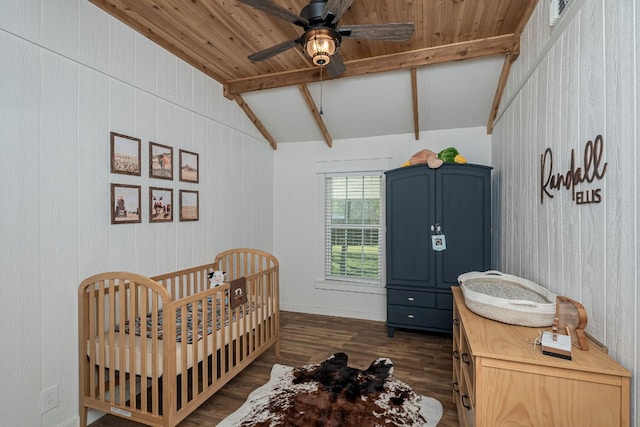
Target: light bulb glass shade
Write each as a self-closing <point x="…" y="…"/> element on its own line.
<point x="320" y="45"/>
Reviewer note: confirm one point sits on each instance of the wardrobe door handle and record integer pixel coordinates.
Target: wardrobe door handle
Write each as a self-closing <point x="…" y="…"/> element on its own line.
<point x="465" y="358"/>
<point x="456" y="387"/>
<point x="456" y="354"/>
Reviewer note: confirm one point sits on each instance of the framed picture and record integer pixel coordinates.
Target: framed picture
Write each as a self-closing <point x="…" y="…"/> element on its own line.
<point x="160" y="204"/>
<point x="125" y="154"/>
<point x="189" y="209"/>
<point x="188" y="166"/>
<point x="125" y="204"/>
<point x="160" y="161"/>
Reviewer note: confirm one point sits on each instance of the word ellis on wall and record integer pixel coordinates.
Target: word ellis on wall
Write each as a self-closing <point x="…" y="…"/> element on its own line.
<point x="593" y="169"/>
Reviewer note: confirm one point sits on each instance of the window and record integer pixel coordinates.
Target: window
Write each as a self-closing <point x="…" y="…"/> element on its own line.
<point x="353" y="227"/>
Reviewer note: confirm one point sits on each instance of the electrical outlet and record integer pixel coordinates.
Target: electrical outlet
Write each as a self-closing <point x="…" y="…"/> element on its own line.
<point x="49" y="399"/>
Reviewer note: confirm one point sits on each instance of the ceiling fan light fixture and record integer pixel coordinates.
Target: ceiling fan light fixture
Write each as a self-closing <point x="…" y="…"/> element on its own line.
<point x="320" y="44"/>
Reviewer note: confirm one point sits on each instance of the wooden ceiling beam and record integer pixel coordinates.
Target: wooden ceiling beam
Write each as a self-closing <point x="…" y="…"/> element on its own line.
<point x="499" y="45"/>
<point x="502" y="82"/>
<point x="414" y="97"/>
<point x="256" y="122"/>
<point x="316" y="115"/>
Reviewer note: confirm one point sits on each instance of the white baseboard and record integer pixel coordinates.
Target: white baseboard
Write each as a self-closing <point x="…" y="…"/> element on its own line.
<point x="333" y="311"/>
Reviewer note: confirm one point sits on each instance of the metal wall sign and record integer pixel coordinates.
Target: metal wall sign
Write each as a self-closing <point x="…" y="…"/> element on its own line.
<point x="592" y="169"/>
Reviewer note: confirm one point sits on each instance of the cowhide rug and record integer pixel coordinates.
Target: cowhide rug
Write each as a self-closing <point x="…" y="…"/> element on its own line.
<point x="333" y="394"/>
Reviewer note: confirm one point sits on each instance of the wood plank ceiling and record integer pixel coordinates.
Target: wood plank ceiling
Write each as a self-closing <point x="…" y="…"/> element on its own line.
<point x="216" y="36"/>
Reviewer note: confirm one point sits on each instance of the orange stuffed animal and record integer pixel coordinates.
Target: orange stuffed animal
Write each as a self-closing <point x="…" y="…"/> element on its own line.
<point x="425" y="156"/>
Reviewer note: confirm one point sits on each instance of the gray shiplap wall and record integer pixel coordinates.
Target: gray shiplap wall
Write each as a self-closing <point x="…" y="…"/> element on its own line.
<point x="570" y="84"/>
<point x="69" y="75"/>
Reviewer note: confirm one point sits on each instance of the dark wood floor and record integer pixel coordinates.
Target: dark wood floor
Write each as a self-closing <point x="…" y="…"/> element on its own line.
<point x="421" y="360"/>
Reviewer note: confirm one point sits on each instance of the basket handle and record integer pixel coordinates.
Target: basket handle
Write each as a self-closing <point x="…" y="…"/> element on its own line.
<point x="523" y="302"/>
<point x="493" y="273"/>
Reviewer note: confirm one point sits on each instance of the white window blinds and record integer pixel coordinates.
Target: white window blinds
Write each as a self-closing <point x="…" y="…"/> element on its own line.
<point x="353" y="227"/>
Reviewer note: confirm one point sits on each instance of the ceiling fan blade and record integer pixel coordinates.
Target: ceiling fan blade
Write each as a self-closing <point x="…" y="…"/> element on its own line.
<point x="396" y="32"/>
<point x="274" y="9"/>
<point x="336" y="66"/>
<point x="336" y="8"/>
<point x="273" y="50"/>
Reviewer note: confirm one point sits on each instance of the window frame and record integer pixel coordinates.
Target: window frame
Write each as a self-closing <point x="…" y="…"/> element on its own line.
<point x="379" y="227"/>
<point x="353" y="166"/>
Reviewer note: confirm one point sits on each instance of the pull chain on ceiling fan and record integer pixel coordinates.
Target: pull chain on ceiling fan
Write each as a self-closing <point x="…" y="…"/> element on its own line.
<point x="321" y="38"/>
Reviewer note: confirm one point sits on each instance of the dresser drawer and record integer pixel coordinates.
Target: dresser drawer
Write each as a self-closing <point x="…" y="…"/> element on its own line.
<point x="419" y="317"/>
<point x="411" y="298"/>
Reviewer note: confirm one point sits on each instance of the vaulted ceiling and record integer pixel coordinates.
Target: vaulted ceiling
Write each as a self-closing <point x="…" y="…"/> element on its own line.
<point x="449" y="73"/>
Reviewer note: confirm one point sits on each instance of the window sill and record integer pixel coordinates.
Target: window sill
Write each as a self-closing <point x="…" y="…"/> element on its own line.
<point x="357" y="287"/>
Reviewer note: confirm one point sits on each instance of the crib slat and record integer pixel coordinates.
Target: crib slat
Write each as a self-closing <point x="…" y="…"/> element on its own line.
<point x="119" y="311"/>
<point x="183" y="354"/>
<point x="129" y="301"/>
<point x="143" y="304"/>
<point x="91" y="297"/>
<point x="110" y="341"/>
<point x="155" y="384"/>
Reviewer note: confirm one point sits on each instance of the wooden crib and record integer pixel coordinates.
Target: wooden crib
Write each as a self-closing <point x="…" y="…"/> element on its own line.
<point x="154" y="349"/>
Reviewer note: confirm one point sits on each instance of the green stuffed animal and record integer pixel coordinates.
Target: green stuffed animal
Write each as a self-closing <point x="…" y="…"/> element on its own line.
<point x="451" y="155"/>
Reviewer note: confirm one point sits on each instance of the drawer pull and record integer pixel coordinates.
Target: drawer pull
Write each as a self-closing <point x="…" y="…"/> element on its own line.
<point x="456" y="387"/>
<point x="465" y="401"/>
<point x="411" y="299"/>
<point x="465" y="358"/>
<point x="456" y="354"/>
<point x="410" y="316"/>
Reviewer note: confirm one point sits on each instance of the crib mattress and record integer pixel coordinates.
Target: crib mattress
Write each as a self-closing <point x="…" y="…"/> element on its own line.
<point x="213" y="342"/>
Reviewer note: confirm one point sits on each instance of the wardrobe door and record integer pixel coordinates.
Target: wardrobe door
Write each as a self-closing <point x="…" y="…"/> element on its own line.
<point x="464" y="213"/>
<point x="409" y="212"/>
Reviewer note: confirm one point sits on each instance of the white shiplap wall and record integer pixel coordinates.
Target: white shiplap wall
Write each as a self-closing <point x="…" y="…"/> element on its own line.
<point x="571" y="83"/>
<point x="69" y="75"/>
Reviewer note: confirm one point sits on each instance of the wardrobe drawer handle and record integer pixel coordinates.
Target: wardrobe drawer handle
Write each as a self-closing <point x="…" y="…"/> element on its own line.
<point x="410" y="316"/>
<point x="410" y="299"/>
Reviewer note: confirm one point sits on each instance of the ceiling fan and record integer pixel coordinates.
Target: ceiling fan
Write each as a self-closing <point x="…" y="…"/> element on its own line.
<point x="321" y="38"/>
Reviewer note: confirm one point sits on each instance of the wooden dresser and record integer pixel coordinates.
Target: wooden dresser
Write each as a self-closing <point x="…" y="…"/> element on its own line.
<point x="499" y="379"/>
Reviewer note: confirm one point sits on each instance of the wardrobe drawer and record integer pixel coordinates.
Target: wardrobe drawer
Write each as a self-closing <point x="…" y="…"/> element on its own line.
<point x="411" y="298"/>
<point x="444" y="300"/>
<point x="418" y="316"/>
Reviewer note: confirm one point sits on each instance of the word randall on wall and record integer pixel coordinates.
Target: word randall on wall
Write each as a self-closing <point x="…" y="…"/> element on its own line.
<point x="593" y="169"/>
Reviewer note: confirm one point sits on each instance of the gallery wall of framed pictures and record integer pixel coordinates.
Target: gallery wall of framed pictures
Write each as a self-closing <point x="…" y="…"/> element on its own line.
<point x="126" y="199"/>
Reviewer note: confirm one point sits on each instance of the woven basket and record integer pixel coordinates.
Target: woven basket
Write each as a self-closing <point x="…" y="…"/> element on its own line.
<point x="508" y="299"/>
